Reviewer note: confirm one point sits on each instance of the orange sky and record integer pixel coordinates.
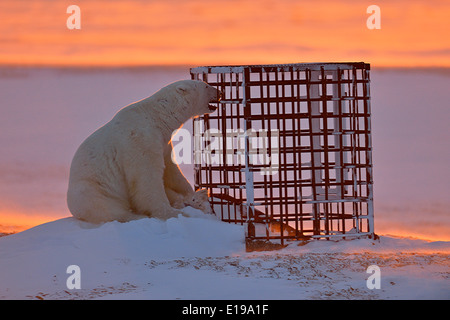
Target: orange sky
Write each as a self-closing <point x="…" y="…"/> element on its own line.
<point x="205" y="32"/>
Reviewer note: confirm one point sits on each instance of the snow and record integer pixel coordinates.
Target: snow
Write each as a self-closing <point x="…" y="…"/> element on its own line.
<point x="201" y="257"/>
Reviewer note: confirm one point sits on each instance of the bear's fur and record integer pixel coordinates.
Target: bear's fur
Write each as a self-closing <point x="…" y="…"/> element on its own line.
<point x="124" y="170"/>
<point x="197" y="200"/>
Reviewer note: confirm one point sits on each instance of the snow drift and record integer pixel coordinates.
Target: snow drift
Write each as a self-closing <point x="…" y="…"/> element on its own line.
<point x="201" y="257"/>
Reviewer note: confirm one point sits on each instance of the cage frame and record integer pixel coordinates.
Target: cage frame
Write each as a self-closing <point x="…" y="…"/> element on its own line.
<point x="311" y="114"/>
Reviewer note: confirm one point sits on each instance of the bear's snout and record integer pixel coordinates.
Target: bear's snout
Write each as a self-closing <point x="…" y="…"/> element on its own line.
<point x="217" y="96"/>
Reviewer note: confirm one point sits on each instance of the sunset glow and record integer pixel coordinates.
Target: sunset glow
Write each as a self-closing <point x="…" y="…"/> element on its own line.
<point x="133" y="32"/>
<point x="12" y="222"/>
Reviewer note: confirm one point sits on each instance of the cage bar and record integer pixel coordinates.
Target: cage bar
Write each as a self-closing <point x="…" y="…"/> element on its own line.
<point x="289" y="152"/>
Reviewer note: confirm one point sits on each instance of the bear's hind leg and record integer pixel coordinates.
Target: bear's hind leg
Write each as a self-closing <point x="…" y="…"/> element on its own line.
<point x="87" y="203"/>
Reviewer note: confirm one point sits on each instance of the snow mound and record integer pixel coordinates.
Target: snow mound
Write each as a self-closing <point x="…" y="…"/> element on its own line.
<point x="196" y="235"/>
<point x="201" y="257"/>
<point x="38" y="258"/>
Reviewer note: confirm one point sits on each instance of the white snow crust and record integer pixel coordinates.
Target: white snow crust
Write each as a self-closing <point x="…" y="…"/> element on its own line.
<point x="201" y="257"/>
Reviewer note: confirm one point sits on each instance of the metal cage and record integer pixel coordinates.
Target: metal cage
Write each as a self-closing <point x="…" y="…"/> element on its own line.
<point x="289" y="152"/>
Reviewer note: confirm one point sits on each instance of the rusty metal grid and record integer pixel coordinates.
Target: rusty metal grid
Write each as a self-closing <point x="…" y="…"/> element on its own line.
<point x="289" y="152"/>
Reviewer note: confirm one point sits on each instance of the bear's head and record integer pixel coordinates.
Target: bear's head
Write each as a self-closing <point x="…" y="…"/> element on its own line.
<point x="201" y="97"/>
<point x="199" y="200"/>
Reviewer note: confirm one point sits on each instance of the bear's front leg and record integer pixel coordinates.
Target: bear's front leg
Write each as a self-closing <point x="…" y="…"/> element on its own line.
<point x="174" y="179"/>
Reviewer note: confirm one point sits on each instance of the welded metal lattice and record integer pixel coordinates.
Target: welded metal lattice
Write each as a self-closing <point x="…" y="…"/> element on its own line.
<point x="289" y="152"/>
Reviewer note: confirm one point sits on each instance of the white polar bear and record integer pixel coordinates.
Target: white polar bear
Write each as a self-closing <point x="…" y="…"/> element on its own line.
<point x="124" y="170"/>
<point x="198" y="200"/>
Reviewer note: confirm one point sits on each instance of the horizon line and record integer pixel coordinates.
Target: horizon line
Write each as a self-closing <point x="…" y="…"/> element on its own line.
<point x="188" y="66"/>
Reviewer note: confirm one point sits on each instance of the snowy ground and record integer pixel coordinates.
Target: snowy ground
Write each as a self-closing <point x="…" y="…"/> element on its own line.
<point x="201" y="257"/>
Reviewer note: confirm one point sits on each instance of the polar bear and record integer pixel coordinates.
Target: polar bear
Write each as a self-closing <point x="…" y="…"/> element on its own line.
<point x="124" y="170"/>
<point x="198" y="200"/>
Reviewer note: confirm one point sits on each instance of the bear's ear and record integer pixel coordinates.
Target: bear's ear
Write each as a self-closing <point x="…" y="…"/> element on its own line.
<point x="182" y="89"/>
<point x="202" y="194"/>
